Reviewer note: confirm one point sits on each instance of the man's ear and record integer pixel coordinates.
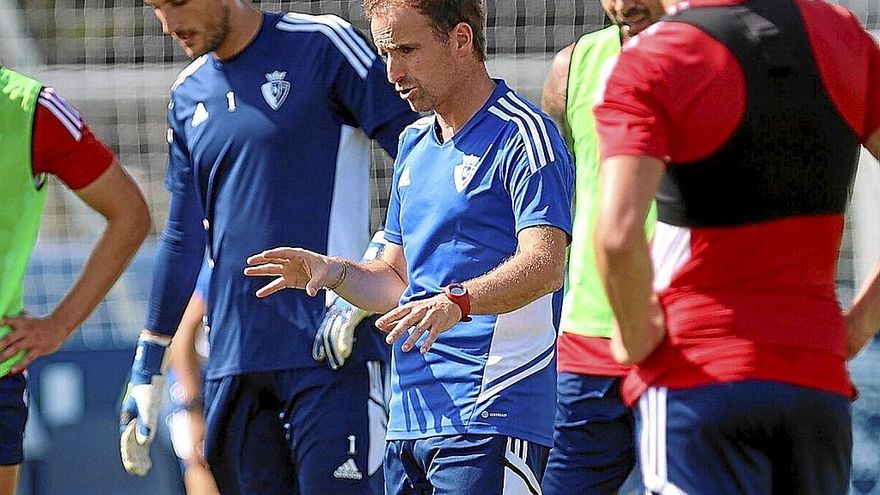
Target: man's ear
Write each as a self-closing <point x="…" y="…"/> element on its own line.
<point x="463" y="37"/>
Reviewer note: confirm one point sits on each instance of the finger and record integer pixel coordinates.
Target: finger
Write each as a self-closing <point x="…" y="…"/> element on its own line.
<point x="388" y="319"/>
<point x="413" y="338"/>
<point x="271" y="288"/>
<point x="12" y="349"/>
<point x="316" y="283"/>
<point x="12" y="322"/>
<point x="393" y="335"/>
<point x="432" y="336"/>
<point x="264" y="270"/>
<point x="13" y="335"/>
<point x="433" y="328"/>
<point x="23" y="365"/>
<point x="402" y="325"/>
<point x="412" y="325"/>
<point x="397" y="331"/>
<point x="270" y="254"/>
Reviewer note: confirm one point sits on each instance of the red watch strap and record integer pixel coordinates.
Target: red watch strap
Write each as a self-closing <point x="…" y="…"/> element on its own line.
<point x="459" y="295"/>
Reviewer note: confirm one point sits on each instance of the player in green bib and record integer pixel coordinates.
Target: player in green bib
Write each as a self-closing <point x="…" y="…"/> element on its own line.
<point x="41" y="134"/>
<point x="593" y="440"/>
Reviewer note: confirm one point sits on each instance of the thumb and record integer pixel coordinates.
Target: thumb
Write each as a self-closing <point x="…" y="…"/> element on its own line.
<point x="313" y="286"/>
<point x="143" y="432"/>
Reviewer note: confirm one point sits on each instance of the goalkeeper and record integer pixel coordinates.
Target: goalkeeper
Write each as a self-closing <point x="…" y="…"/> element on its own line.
<point x="40" y="134"/>
<point x="274" y="115"/>
<point x="334" y="343"/>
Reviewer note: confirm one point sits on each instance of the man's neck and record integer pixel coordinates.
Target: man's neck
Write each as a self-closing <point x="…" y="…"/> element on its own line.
<point x="245" y="21"/>
<point x="470" y="95"/>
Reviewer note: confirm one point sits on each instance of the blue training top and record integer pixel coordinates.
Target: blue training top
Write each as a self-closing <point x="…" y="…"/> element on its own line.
<point x="456" y="208"/>
<point x="269" y="149"/>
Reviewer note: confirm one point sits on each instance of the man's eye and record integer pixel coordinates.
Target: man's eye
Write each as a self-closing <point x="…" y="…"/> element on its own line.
<point x="407" y="50"/>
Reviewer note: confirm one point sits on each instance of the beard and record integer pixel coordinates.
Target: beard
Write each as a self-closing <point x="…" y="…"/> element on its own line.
<point x="217" y="33"/>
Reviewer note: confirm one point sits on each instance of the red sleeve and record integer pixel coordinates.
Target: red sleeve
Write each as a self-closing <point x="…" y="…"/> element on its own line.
<point x="64" y="146"/>
<point x="849" y="63"/>
<point x="675" y="93"/>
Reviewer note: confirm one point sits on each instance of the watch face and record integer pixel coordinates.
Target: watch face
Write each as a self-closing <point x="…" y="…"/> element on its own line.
<point x="457" y="290"/>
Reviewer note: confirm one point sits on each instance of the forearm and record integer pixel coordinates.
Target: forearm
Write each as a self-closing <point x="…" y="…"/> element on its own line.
<point x="185" y="361"/>
<point x="523" y="278"/>
<point x="111" y="254"/>
<point x="187" y="367"/>
<point x="627" y="186"/>
<point x="375" y="286"/>
<point x="626" y="273"/>
<point x="863" y="318"/>
<point x="178" y="259"/>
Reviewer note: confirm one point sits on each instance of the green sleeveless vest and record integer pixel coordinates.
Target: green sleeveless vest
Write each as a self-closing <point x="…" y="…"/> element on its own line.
<point x="22" y="204"/>
<point x="585" y="308"/>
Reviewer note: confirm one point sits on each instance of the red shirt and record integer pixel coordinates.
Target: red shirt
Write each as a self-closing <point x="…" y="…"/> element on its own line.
<point x="746" y="302"/>
<point x="64" y="146"/>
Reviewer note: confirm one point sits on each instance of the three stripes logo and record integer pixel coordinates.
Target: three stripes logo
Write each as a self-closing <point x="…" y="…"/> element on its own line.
<point x="348" y="471"/>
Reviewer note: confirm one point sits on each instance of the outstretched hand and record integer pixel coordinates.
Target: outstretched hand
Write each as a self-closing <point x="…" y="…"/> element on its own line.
<point x="294" y="268"/>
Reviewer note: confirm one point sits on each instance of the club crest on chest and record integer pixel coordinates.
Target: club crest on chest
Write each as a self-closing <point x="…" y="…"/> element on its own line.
<point x="464" y="172"/>
<point x="275" y="89"/>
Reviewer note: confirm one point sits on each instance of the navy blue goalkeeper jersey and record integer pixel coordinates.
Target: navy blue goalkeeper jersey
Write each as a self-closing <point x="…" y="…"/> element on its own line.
<point x="270" y="148"/>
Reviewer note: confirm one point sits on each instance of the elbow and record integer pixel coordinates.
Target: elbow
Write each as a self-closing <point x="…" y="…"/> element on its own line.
<point x="142" y="224"/>
<point x="138" y="224"/>
<point x="556" y="279"/>
<point x="130" y="227"/>
<point x="616" y="244"/>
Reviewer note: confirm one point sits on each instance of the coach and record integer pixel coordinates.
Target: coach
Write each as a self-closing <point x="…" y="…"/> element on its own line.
<point x="478" y="223"/>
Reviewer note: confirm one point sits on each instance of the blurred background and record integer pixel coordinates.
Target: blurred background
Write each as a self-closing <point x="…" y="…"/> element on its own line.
<point x="110" y="59"/>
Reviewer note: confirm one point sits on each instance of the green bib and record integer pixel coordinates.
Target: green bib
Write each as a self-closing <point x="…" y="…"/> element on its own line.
<point x="22" y="204"/>
<point x="585" y="309"/>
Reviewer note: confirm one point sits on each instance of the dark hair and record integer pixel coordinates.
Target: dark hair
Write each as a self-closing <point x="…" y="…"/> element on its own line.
<point x="443" y="16"/>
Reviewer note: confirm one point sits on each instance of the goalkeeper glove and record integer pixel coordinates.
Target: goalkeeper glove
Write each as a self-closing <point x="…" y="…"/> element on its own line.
<point x="139" y="416"/>
<point x="335" y="338"/>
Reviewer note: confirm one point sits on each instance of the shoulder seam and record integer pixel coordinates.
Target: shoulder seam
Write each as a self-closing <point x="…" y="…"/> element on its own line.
<point x="531" y="127"/>
<point x="340" y="33"/>
<point x="189" y="70"/>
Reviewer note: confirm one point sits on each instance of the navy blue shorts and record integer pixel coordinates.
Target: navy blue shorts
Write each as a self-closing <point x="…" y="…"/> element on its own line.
<point x="593" y="438"/>
<point x="464" y="465"/>
<point x="746" y="437"/>
<point x="13" y="417"/>
<point x="305" y="431"/>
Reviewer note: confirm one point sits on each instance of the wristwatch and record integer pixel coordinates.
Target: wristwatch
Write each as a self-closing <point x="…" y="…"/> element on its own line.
<point x="458" y="294"/>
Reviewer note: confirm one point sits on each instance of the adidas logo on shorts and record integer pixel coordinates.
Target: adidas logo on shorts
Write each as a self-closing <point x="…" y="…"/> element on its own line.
<point x="348" y="471"/>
